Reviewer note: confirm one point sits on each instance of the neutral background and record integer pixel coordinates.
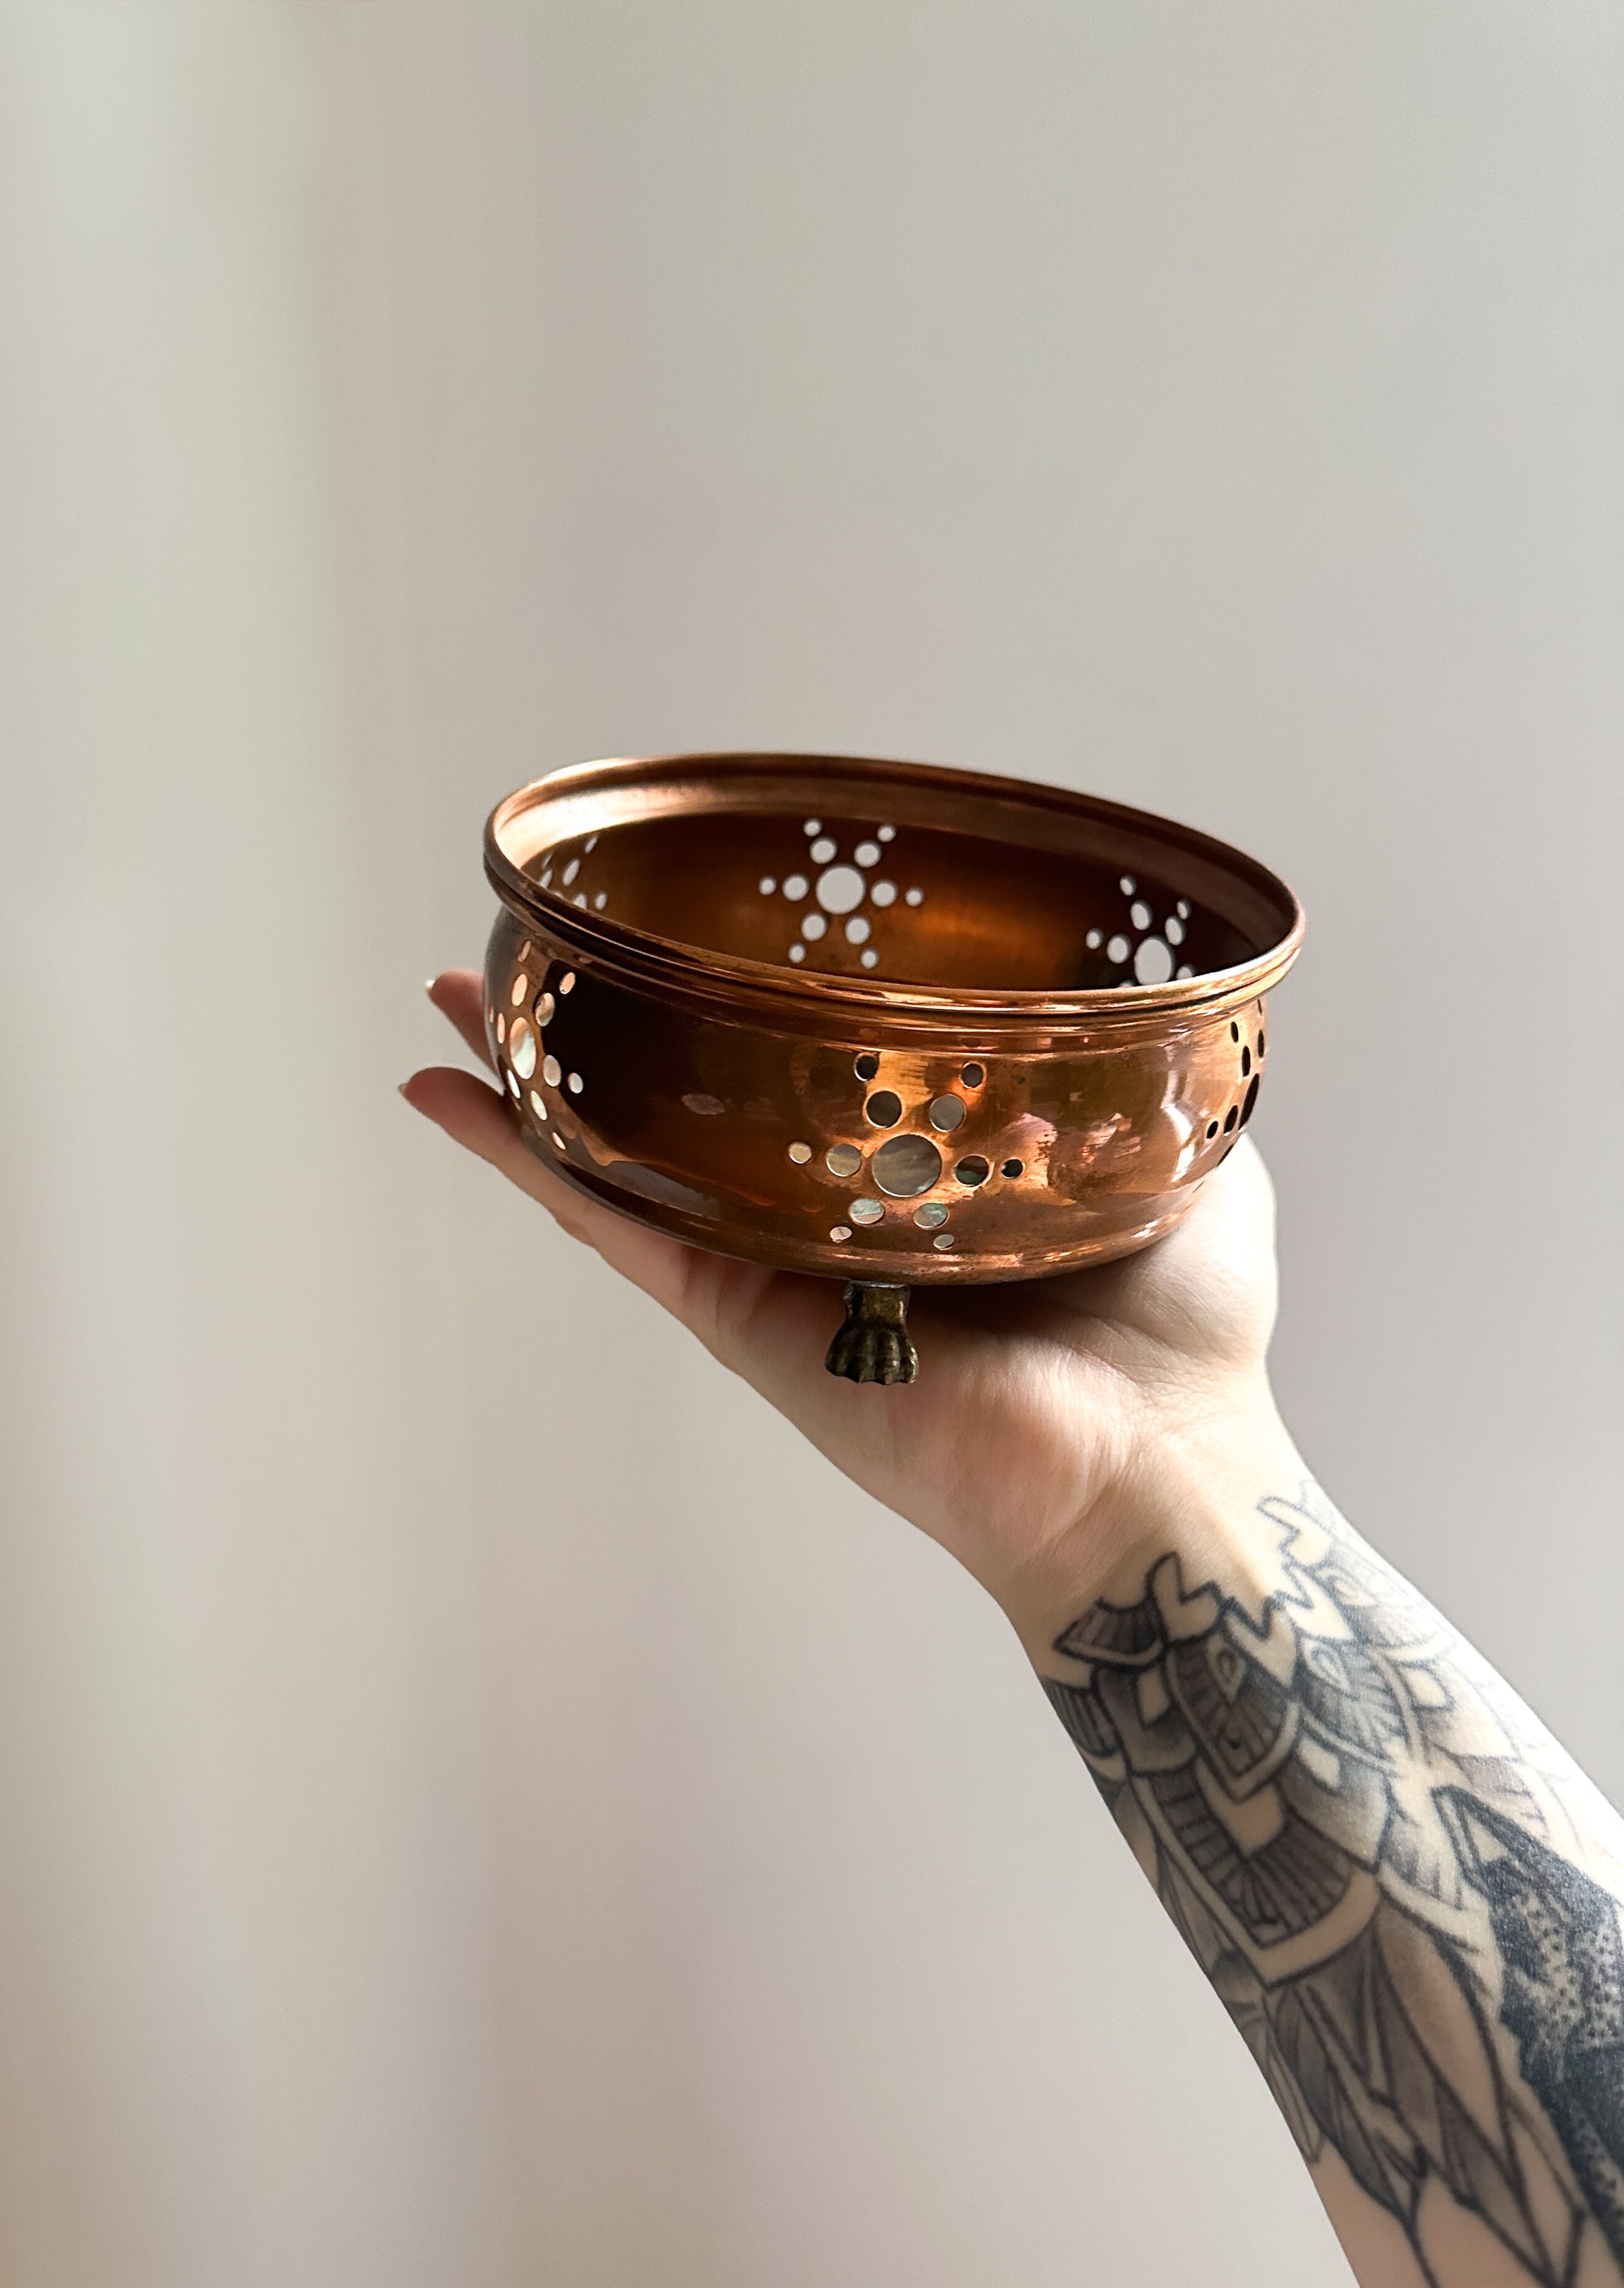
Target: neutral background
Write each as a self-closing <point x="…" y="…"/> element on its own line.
<point x="482" y="1807"/>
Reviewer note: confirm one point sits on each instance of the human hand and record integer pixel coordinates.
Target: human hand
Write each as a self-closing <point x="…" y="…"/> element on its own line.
<point x="1052" y="1419"/>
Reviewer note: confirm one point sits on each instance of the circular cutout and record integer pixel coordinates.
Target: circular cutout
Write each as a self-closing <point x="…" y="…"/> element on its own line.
<point x="1234" y="1030"/>
<point x="1259" y="1044"/>
<point x="913" y="898"/>
<point x="871" y="959"/>
<point x="537" y="1107"/>
<point x="1184" y="909"/>
<point x="839" y="889"/>
<point x="558" y="1141"/>
<point x="571" y="871"/>
<point x="766" y="885"/>
<point x="821" y="851"/>
<point x="1153" y="963"/>
<point x="1246" y="1062"/>
<point x="552" y="1071"/>
<point x="947" y="1113"/>
<point x="1119" y="948"/>
<point x="566" y="984"/>
<point x="907" y="1165"/>
<point x="521" y="1048"/>
<point x="867" y="853"/>
<point x="513" y="1086"/>
<point x="575" y="1083"/>
<point x="1230" y="1119"/>
<point x="866" y="1066"/>
<point x="973" y="1075"/>
<point x="1129" y="885"/>
<point x="1139" y="914"/>
<point x="866" y="1211"/>
<point x="600" y="901"/>
<point x="813" y="826"/>
<point x="800" y="1154"/>
<point x="931" y="1215"/>
<point x="794" y="887"/>
<point x="1014" y="1168"/>
<point x="842" y="1159"/>
<point x="797" y="953"/>
<point x="884" y="1109"/>
<point x="522" y="986"/>
<point x="857" y="929"/>
<point x="884" y="893"/>
<point x="1094" y="939"/>
<point x="840" y="1231"/>
<point x="501" y="1029"/>
<point x="944" y="1240"/>
<point x="1172" y="930"/>
<point x="971" y="1171"/>
<point x="545" y="1006"/>
<point x="887" y="834"/>
<point x="1184" y="970"/>
<point x="1246" y="1109"/>
<point x="1212" y="1129"/>
<point x="812" y="927"/>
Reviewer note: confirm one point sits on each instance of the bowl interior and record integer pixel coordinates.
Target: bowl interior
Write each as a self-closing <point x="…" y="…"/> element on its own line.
<point x="816" y="865"/>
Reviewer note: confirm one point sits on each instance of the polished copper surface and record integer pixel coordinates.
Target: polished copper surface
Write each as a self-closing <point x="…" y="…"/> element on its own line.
<point x="884" y="1021"/>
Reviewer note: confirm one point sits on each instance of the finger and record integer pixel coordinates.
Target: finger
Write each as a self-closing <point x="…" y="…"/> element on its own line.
<point x="477" y="1117"/>
<point x="459" y="995"/>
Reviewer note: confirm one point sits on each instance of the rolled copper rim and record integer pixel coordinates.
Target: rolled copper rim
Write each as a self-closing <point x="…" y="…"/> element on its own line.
<point x="594" y="797"/>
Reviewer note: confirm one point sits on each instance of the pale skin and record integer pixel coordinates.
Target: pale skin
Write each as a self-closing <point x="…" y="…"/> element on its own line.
<point x="1067" y="1438"/>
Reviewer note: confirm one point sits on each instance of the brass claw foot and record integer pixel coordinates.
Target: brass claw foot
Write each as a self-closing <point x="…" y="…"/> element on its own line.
<point x="873" y="1345"/>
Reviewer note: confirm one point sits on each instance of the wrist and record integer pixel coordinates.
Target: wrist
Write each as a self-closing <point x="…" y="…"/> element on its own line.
<point x="1191" y="1488"/>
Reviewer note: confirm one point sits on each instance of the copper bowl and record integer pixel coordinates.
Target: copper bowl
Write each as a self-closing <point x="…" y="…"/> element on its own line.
<point x="894" y="1024"/>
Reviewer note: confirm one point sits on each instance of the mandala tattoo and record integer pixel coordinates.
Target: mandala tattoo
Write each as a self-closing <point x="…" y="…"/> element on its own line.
<point x="1362" y="1836"/>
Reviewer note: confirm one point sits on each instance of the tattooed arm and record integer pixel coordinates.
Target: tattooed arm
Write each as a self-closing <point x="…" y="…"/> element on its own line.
<point x="1406" y="1895"/>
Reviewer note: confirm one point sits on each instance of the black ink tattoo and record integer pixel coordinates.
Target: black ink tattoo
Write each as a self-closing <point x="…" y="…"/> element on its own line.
<point x="1362" y="1836"/>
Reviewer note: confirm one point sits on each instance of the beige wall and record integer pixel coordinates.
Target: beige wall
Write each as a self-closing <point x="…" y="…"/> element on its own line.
<point x="480" y="1804"/>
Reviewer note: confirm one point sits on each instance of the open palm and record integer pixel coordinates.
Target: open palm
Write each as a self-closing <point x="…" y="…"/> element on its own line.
<point x="1034" y="1399"/>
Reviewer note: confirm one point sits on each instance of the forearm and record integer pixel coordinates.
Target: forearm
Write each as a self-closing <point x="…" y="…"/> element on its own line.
<point x="1406" y="1894"/>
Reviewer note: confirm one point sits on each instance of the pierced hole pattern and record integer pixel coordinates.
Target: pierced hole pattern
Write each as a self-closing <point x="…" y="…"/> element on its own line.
<point x="904" y="1167"/>
<point x="840" y="890"/>
<point x="1147" y="948"/>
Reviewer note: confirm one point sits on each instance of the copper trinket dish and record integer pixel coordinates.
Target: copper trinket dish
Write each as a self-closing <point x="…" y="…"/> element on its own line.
<point x="888" y="1023"/>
